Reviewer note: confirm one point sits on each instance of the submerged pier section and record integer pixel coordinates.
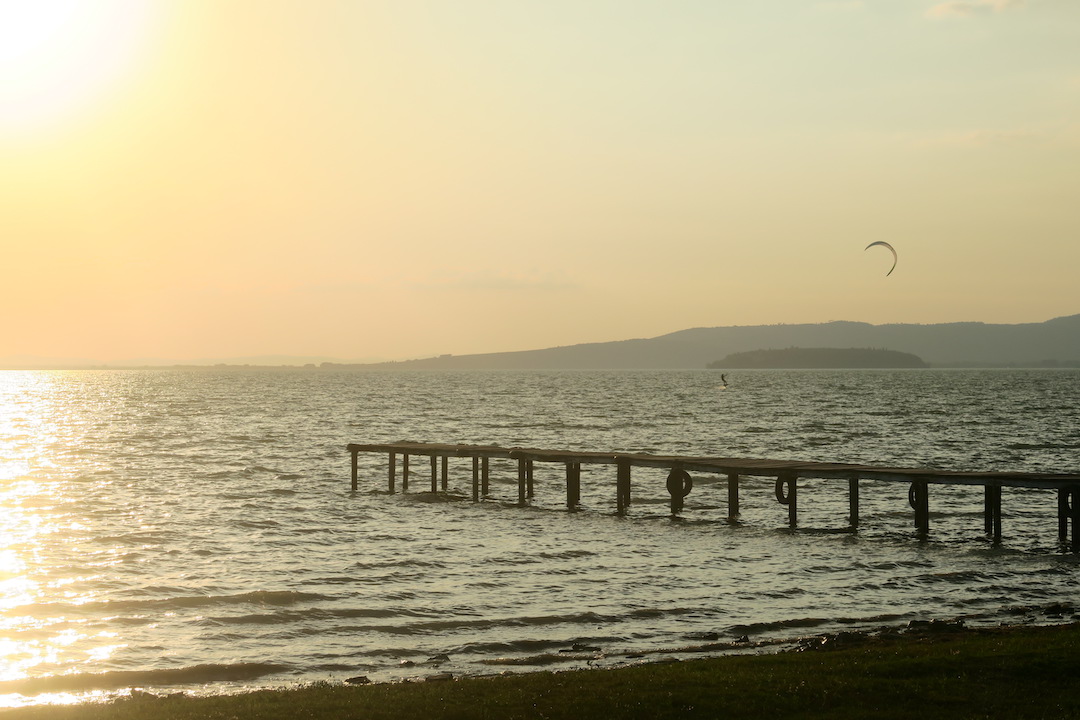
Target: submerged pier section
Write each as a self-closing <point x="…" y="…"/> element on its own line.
<point x="679" y="481"/>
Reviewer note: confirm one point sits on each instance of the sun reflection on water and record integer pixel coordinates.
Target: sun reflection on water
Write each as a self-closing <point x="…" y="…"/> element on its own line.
<point x="39" y="533"/>
<point x="15" y="445"/>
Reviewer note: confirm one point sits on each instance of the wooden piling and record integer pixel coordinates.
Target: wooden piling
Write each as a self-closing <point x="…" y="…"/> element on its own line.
<point x="853" y="502"/>
<point x="992" y="511"/>
<point x="1063" y="513"/>
<point x="1075" y="517"/>
<point x="573" y="484"/>
<point x="732" y="496"/>
<point x="919" y="499"/>
<point x="622" y="487"/>
<point x="485" y="476"/>
<point x="475" y="479"/>
<point x="445" y="462"/>
<point x="529" y="479"/>
<point x="393" y="471"/>
<point x="521" y="481"/>
<point x="434" y="474"/>
<point x="354" y="454"/>
<point x="405" y="472"/>
<point x="1069" y="514"/>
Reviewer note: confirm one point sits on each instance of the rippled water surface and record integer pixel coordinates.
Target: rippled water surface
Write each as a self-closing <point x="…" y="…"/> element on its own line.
<point x="195" y="530"/>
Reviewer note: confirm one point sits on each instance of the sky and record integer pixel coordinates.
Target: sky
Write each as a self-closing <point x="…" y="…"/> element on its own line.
<point x="358" y="180"/>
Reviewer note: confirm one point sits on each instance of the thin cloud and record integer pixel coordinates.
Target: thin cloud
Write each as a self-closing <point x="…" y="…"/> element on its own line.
<point x="971" y="8"/>
<point x="500" y="282"/>
<point x="979" y="138"/>
<point x="841" y="5"/>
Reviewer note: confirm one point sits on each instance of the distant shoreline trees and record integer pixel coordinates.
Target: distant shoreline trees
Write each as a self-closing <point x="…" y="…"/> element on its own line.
<point x="819" y="358"/>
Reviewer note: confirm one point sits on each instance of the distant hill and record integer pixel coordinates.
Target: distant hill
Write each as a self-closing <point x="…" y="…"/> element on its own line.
<point x="820" y="358"/>
<point x="966" y="344"/>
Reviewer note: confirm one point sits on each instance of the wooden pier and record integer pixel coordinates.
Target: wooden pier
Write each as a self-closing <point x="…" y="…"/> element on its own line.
<point x="680" y="482"/>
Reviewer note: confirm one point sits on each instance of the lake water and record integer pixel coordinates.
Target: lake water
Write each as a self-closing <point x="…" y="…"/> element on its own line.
<point x="195" y="530"/>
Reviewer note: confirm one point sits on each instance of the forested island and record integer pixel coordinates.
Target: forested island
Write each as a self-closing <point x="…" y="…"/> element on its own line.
<point x="819" y="358"/>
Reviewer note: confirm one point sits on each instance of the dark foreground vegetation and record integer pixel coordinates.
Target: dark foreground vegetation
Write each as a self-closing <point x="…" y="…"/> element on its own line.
<point x="930" y="672"/>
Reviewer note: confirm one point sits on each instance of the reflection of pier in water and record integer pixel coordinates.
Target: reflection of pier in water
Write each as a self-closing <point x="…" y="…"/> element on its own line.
<point x="679" y="482"/>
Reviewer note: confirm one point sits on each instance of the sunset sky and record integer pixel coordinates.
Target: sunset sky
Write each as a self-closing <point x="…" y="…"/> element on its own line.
<point x="214" y="179"/>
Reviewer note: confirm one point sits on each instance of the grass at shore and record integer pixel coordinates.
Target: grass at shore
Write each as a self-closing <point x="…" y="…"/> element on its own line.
<point x="1028" y="672"/>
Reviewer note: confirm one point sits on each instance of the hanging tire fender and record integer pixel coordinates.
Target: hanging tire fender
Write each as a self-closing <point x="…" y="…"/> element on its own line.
<point x="679" y="483"/>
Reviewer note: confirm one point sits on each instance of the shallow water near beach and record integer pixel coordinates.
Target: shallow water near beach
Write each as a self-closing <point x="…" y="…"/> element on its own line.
<point x="195" y="530"/>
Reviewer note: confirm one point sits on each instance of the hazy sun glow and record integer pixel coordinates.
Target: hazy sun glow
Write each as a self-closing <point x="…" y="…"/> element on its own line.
<point x="204" y="181"/>
<point x="57" y="56"/>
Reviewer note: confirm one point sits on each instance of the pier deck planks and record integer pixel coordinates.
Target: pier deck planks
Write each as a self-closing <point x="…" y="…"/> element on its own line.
<point x="786" y="473"/>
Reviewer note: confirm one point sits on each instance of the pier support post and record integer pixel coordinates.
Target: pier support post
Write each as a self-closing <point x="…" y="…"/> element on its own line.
<point x="1069" y="513"/>
<point x="732" y="496"/>
<point x="573" y="484"/>
<point x="529" y="478"/>
<point x="393" y="471"/>
<point x="485" y="477"/>
<point x="1074" y="508"/>
<point x="992" y="511"/>
<point x="476" y="479"/>
<point x="1063" y="504"/>
<point x="521" y="480"/>
<point x="434" y="474"/>
<point x="404" y="472"/>
<point x="1063" y="514"/>
<point x="789" y="482"/>
<point x="622" y="487"/>
<point x="853" y="502"/>
<point x="354" y="469"/>
<point x="919" y="499"/>
<point x="445" y="462"/>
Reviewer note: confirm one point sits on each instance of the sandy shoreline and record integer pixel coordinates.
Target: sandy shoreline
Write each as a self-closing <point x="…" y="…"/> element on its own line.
<point x="928" y="670"/>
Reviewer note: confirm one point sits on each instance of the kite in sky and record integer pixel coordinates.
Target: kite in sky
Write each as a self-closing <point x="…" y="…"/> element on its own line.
<point x="891" y="249"/>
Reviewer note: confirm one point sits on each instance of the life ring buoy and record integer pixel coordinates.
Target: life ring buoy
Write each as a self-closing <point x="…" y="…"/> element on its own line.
<point x="1067" y="498"/>
<point x="679" y="483"/>
<point x="784" y="486"/>
<point x="911" y="497"/>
